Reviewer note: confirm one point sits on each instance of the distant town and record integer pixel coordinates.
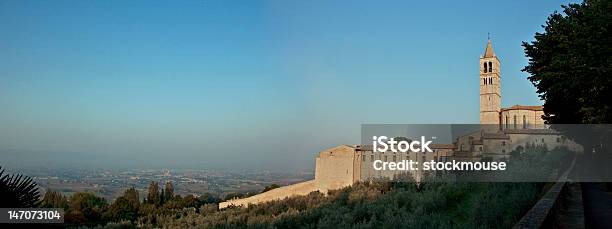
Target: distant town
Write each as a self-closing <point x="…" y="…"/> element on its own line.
<point x="111" y="183"/>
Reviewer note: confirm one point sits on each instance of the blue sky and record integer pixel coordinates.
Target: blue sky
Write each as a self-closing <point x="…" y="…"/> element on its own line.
<point x="247" y="84"/>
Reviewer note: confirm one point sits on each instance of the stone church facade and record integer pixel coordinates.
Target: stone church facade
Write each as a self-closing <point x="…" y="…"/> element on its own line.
<point x="502" y="131"/>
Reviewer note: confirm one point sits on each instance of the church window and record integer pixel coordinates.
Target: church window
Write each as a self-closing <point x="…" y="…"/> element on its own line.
<point x="485" y="67"/>
<point x="394" y="158"/>
<point x="558" y="139"/>
<point x="524" y="122"/>
<point x="484" y="80"/>
<point x="490" y="80"/>
<point x="364" y="158"/>
<point x="542" y="140"/>
<point x="506" y="121"/>
<point x="490" y="67"/>
<point x="503" y="143"/>
<point x="515" y="122"/>
<point x="386" y="158"/>
<point x="372" y="157"/>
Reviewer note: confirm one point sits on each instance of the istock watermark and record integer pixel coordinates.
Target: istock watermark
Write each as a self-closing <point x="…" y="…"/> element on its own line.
<point x="383" y="144"/>
<point x="380" y="144"/>
<point x="485" y="153"/>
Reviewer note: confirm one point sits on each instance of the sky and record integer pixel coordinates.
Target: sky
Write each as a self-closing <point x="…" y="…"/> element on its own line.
<point x="242" y="84"/>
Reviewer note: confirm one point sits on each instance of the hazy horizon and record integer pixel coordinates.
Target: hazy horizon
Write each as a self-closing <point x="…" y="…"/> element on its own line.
<point x="245" y="84"/>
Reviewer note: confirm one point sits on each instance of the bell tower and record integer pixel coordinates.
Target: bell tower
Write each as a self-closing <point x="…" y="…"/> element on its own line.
<point x="490" y="96"/>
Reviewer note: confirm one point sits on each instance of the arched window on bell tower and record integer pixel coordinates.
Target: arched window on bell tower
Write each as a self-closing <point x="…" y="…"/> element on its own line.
<point x="490" y="66"/>
<point x="485" y="67"/>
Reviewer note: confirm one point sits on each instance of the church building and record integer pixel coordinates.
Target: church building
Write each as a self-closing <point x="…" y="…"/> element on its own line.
<point x="491" y="112"/>
<point x="501" y="131"/>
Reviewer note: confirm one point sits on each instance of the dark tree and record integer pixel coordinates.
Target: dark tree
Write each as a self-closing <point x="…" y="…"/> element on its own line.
<point x="122" y="209"/>
<point x="189" y="201"/>
<point x="153" y="196"/>
<point x="17" y="191"/>
<point x="125" y="207"/>
<point x="208" y="198"/>
<point x="132" y="196"/>
<point x="570" y="64"/>
<point x="162" y="198"/>
<point x="53" y="199"/>
<point x="168" y="191"/>
<point x="85" y="207"/>
<point x="270" y="187"/>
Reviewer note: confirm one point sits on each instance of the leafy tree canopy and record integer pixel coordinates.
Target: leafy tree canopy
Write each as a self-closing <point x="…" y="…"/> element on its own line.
<point x="570" y="64"/>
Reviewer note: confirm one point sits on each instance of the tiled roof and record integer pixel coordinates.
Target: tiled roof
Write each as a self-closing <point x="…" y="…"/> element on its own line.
<point x="495" y="136"/>
<point x="489" y="50"/>
<point x="521" y="107"/>
<point x="530" y="131"/>
<point x="442" y="146"/>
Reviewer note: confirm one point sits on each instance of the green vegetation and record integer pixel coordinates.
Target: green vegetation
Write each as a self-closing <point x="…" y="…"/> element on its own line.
<point x="17" y="191"/>
<point x="435" y="202"/>
<point x="535" y="163"/>
<point x="569" y="64"/>
<point x="270" y="187"/>
<point x="387" y="204"/>
<point x="86" y="209"/>
<point x="380" y="204"/>
<point x="402" y="203"/>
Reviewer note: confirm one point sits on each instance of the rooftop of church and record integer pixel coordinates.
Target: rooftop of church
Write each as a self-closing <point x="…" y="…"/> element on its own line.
<point x="521" y="107"/>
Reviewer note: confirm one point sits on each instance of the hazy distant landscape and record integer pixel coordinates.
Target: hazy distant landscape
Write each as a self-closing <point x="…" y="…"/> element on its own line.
<point x="218" y="114"/>
<point x="111" y="183"/>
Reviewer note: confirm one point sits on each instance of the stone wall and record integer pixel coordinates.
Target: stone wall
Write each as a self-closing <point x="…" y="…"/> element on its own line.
<point x="335" y="168"/>
<point x="298" y="189"/>
<point x="525" y="119"/>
